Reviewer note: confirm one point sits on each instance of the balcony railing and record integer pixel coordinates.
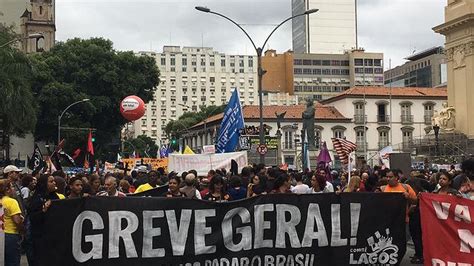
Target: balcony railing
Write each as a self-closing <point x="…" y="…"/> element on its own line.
<point x="383" y="145"/>
<point x="406" y="119"/>
<point x="407" y="146"/>
<point x="428" y="119"/>
<point x="360" y="119"/>
<point x="383" y="119"/>
<point x="361" y="146"/>
<point x="288" y="145"/>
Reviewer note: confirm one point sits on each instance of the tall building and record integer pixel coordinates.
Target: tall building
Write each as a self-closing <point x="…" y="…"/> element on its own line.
<point x="321" y="76"/>
<point x="332" y="30"/>
<point x="191" y="77"/>
<point x="31" y="17"/>
<point x="424" y="69"/>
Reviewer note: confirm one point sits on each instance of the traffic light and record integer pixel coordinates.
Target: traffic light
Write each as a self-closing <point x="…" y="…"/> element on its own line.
<point x="93" y="139"/>
<point x="173" y="142"/>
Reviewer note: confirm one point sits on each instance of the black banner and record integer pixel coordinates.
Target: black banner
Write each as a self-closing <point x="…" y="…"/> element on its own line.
<point x="316" y="229"/>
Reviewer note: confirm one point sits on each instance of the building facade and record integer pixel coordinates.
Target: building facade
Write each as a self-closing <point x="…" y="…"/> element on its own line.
<point x="332" y="30"/>
<point x="191" y="77"/>
<point x="322" y="76"/>
<point x="367" y="116"/>
<point x="424" y="69"/>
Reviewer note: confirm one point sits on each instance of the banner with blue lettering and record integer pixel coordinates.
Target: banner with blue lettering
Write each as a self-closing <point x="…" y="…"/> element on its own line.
<point x="232" y="123"/>
<point x="274" y="229"/>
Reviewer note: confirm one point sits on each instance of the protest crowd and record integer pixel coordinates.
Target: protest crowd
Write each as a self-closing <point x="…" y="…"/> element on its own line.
<point x="27" y="197"/>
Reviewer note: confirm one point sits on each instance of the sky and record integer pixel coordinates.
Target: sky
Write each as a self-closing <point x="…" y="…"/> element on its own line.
<point x="396" y="28"/>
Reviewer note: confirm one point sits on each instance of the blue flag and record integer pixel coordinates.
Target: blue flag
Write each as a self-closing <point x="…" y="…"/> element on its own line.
<point x="232" y="123"/>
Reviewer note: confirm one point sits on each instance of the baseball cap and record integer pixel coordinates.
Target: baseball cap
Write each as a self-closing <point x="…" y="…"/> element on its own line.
<point x="11" y="168"/>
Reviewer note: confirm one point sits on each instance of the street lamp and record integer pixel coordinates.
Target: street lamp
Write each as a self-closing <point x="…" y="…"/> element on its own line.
<point x="436" y="133"/>
<point x="62" y="113"/>
<point x="260" y="71"/>
<point x="30" y="36"/>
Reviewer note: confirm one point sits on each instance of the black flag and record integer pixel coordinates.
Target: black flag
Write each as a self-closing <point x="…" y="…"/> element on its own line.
<point x="36" y="162"/>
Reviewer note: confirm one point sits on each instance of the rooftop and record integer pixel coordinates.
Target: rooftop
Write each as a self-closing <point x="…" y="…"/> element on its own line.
<point x="397" y="92"/>
<point x="251" y="112"/>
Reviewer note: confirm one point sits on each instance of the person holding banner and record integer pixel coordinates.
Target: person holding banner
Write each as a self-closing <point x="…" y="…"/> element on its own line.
<point x="173" y="190"/>
<point x="13" y="223"/>
<point x="217" y="190"/>
<point x="153" y="177"/>
<point x="445" y="182"/>
<point x="40" y="202"/>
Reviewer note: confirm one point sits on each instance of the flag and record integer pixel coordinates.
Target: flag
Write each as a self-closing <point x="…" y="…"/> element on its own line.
<point x="90" y="145"/>
<point x="36" y="162"/>
<point x="76" y="153"/>
<point x="164" y="151"/>
<point x="384" y="155"/>
<point x="188" y="150"/>
<point x="232" y="123"/>
<point x="119" y="157"/>
<point x="67" y="157"/>
<point x="343" y="149"/>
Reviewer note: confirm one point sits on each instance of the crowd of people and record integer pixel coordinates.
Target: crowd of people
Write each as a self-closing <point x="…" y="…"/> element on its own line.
<point x="27" y="197"/>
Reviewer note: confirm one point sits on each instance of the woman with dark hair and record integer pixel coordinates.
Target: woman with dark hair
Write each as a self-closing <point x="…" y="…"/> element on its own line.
<point x="28" y="184"/>
<point x="45" y="192"/>
<point x="318" y="184"/>
<point x="257" y="185"/>
<point x="445" y="185"/>
<point x="217" y="190"/>
<point x="94" y="183"/>
<point x="173" y="183"/>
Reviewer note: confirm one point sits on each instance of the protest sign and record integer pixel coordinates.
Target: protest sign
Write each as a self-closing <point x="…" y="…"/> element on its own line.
<point x="203" y="162"/>
<point x="154" y="162"/>
<point x="275" y="229"/>
<point x="448" y="231"/>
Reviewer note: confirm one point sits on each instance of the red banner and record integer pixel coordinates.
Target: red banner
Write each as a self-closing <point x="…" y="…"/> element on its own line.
<point x="448" y="230"/>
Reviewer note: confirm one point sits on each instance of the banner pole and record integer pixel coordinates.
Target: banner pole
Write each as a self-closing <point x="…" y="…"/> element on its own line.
<point x="349" y="169"/>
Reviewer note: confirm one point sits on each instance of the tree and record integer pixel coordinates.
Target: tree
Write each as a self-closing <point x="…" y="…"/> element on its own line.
<point x="17" y="105"/>
<point x="143" y="145"/>
<point x="188" y="119"/>
<point x="79" y="69"/>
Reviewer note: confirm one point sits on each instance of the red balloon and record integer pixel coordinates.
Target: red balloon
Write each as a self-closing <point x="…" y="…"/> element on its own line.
<point x="132" y="108"/>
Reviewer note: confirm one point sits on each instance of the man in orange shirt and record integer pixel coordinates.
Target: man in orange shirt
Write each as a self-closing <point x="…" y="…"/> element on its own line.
<point x="395" y="186"/>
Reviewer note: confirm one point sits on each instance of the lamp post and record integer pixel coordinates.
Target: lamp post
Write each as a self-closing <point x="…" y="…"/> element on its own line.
<point x="30" y="36"/>
<point x="62" y="113"/>
<point x="260" y="70"/>
<point x="436" y="132"/>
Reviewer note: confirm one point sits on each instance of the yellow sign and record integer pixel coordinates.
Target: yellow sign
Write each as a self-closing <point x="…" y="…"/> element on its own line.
<point x="154" y="162"/>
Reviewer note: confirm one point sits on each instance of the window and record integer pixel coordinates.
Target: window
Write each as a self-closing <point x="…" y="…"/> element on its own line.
<point x="316" y="62"/>
<point x="298" y="62"/>
<point x="339" y="133"/>
<point x="298" y="71"/>
<point x="358" y="62"/>
<point x="345" y="72"/>
<point x="326" y="62"/>
<point x="222" y="62"/>
<point x="307" y="71"/>
<point x="306" y="62"/>
<point x="326" y="71"/>
<point x="383" y="137"/>
<point x="336" y="71"/>
<point x="173" y="61"/>
<point x="163" y="61"/>
<point x="212" y="79"/>
<point x="316" y="71"/>
<point x="288" y="140"/>
<point x="185" y="98"/>
<point x="250" y="62"/>
<point x="317" y="138"/>
<point x="377" y="62"/>
<point x="184" y="61"/>
<point x="406" y="116"/>
<point x="428" y="113"/>
<point x="382" y="116"/>
<point x="360" y="137"/>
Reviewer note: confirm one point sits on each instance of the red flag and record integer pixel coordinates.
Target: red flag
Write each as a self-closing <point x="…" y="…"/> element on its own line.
<point x="90" y="145"/>
<point x="76" y="153"/>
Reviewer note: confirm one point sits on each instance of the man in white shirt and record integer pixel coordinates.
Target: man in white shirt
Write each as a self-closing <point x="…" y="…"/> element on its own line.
<point x="300" y="187"/>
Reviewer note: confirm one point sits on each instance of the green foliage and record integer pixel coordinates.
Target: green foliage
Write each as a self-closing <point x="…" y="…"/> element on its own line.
<point x="79" y="69"/>
<point x="17" y="105"/>
<point x="142" y="144"/>
<point x="188" y="119"/>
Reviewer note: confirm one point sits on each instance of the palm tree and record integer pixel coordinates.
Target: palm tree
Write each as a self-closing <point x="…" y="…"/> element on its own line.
<point x="17" y="105"/>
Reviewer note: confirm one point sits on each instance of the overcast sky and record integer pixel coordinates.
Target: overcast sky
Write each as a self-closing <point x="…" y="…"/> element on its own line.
<point x="394" y="27"/>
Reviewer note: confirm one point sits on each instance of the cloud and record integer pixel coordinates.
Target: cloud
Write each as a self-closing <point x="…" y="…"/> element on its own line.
<point x="394" y="27"/>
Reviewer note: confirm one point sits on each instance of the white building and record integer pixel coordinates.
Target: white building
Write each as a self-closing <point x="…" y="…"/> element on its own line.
<point x="396" y="120"/>
<point x="191" y="77"/>
<point x="332" y="30"/>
